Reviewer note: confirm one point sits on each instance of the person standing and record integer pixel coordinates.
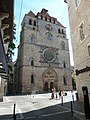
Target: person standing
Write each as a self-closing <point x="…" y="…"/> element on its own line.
<point x="56" y="96"/>
<point x="52" y="94"/>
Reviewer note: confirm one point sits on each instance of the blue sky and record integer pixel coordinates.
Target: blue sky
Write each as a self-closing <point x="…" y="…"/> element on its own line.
<point x="56" y="8"/>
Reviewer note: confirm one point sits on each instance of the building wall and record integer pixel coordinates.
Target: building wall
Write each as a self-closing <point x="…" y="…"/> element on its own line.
<point x="80" y="14"/>
<point x="6" y="36"/>
<point x="33" y="44"/>
<point x="3" y="88"/>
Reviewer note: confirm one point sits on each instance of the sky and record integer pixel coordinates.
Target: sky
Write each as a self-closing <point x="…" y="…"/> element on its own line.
<point x="56" y="8"/>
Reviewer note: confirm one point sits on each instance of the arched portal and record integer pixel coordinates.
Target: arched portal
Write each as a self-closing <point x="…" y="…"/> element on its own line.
<point x="46" y="87"/>
<point x="50" y="79"/>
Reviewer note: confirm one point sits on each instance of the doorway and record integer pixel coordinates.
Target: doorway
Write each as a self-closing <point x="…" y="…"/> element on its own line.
<point x="51" y="86"/>
<point x="50" y="79"/>
<point x="46" y="86"/>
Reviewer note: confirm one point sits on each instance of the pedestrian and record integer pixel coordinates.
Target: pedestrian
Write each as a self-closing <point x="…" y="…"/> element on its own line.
<point x="52" y="94"/>
<point x="54" y="89"/>
<point x="59" y="94"/>
<point x="56" y="96"/>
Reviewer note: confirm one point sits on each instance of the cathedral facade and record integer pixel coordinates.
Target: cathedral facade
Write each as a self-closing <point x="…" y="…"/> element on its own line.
<point x="43" y="55"/>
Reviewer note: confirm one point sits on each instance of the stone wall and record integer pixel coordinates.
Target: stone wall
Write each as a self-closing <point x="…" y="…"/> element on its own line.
<point x="77" y="15"/>
<point x="2" y="85"/>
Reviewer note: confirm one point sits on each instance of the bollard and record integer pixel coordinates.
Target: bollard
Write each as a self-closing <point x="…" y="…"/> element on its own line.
<point x="72" y="96"/>
<point x="71" y="107"/>
<point x="62" y="100"/>
<point x="86" y="102"/>
<point x="14" y="116"/>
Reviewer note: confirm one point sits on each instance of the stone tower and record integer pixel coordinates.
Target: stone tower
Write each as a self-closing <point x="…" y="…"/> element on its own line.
<point x="43" y="54"/>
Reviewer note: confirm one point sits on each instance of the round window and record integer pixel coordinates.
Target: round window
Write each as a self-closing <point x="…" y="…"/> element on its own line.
<point x="49" y="55"/>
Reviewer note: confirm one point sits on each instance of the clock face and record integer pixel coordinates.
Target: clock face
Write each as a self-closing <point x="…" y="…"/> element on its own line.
<point x="49" y="36"/>
<point x="48" y="27"/>
<point x="49" y="55"/>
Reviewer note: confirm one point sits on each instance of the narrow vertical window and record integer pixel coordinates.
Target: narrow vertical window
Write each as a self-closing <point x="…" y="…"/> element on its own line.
<point x="34" y="23"/>
<point x="32" y="79"/>
<point x="32" y="62"/>
<point x="64" y="80"/>
<point x="59" y="30"/>
<point x="30" y="22"/>
<point x="81" y="31"/>
<point x="45" y="18"/>
<point x="64" y="65"/>
<point x="62" y="31"/>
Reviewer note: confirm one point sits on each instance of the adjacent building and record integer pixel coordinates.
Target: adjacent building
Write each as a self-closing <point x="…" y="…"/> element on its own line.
<point x="6" y="36"/>
<point x="79" y="17"/>
<point x="43" y="55"/>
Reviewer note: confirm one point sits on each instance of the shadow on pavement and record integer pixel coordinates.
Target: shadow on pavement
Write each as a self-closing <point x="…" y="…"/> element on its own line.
<point x="55" y="112"/>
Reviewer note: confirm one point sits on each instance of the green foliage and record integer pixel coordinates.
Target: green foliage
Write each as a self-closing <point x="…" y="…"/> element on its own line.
<point x="74" y="81"/>
<point x="10" y="67"/>
<point x="14" y="31"/>
<point x="12" y="46"/>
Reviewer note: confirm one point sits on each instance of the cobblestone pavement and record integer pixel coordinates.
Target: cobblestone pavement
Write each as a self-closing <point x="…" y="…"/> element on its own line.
<point x="40" y="107"/>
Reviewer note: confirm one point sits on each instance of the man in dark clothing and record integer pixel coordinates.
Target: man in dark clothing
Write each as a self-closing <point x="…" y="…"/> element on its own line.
<point x="59" y="94"/>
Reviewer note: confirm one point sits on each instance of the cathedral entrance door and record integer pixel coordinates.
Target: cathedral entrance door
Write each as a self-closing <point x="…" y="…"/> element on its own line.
<point x="50" y="79"/>
<point x="46" y="86"/>
<point x="51" y="86"/>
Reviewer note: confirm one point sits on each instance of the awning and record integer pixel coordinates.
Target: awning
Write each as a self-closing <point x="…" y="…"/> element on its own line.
<point x="3" y="73"/>
<point x="4" y="76"/>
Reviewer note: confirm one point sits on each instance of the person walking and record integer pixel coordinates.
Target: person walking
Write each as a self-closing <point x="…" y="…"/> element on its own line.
<point x="59" y="94"/>
<point x="56" y="96"/>
<point x="52" y="96"/>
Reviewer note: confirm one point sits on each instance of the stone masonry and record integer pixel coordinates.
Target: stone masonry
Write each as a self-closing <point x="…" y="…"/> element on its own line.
<point x="79" y="17"/>
<point x="43" y="55"/>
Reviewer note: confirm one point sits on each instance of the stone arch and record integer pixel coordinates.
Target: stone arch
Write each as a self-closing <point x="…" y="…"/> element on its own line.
<point x="32" y="61"/>
<point x="51" y="78"/>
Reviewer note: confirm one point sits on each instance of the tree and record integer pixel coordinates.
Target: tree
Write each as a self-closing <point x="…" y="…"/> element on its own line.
<point x="12" y="46"/>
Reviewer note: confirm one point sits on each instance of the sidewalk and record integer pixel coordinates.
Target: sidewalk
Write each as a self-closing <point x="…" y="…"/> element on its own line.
<point x="78" y="109"/>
